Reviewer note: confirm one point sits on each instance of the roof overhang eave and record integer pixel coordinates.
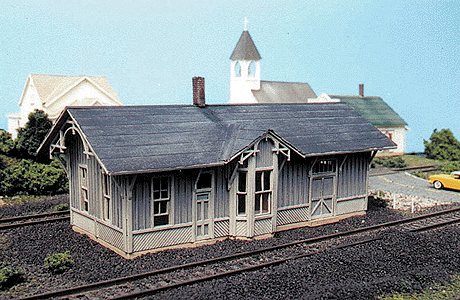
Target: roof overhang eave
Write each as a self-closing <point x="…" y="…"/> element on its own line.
<point x="146" y="171"/>
<point x="348" y="152"/>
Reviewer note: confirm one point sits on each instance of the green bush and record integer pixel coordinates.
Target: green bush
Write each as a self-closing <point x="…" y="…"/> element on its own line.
<point x="26" y="177"/>
<point x="390" y="162"/>
<point x="11" y="275"/>
<point x="32" y="135"/>
<point x="451" y="167"/>
<point x="58" y="262"/>
<point x="442" y="145"/>
<point x="61" y="207"/>
<point x="6" y="142"/>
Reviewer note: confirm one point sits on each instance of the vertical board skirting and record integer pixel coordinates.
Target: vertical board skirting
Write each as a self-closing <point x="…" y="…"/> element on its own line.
<point x="161" y="238"/>
<point x="110" y="235"/>
<point x="241" y="228"/>
<point x="221" y="228"/>
<point x="291" y="216"/>
<point x="262" y="226"/>
<point x="352" y="205"/>
<point x="84" y="223"/>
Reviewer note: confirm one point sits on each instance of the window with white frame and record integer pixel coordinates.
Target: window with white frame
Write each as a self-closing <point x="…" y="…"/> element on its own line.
<point x="263" y="192"/>
<point x="161" y="201"/>
<point x="84" y="194"/>
<point x="242" y="193"/>
<point x="324" y="166"/>
<point x="107" y="198"/>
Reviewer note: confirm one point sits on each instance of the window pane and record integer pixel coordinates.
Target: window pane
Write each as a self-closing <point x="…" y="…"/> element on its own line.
<point x="107" y="209"/>
<point x="267" y="180"/>
<point x="265" y="202"/>
<point x="241" y="204"/>
<point x="156" y="194"/>
<point x="198" y="211"/>
<point x="324" y="166"/>
<point x="156" y="208"/>
<point x="257" y="203"/>
<point x="161" y="220"/>
<point x="164" y="183"/>
<point x="205" y="212"/>
<point x="163" y="207"/>
<point x="205" y="229"/>
<point x="242" y="182"/>
<point x="258" y="181"/>
<point x="164" y="194"/>
<point x="205" y="181"/>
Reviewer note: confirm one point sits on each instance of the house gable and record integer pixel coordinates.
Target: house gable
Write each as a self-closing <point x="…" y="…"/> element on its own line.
<point x="81" y="93"/>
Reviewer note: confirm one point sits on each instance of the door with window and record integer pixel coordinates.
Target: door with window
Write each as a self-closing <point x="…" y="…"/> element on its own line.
<point x="203" y="207"/>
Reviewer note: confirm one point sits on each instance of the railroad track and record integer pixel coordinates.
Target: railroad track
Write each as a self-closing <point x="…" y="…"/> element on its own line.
<point x="8" y="223"/>
<point x="427" y="168"/>
<point x="149" y="283"/>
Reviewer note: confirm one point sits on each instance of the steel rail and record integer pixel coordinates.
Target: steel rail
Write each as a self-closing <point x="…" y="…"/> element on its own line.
<point x="121" y="280"/>
<point x="436" y="225"/>
<point x="8" y="223"/>
<point x="421" y="168"/>
<point x="237" y="271"/>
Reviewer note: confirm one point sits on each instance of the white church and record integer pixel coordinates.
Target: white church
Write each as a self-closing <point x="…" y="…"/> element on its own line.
<point x="246" y="87"/>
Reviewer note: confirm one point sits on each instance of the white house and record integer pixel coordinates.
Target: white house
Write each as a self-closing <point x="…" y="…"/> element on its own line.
<point x="378" y="113"/>
<point x="52" y="93"/>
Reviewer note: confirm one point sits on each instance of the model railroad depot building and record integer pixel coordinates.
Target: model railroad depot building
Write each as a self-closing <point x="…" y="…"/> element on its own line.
<point x="150" y="177"/>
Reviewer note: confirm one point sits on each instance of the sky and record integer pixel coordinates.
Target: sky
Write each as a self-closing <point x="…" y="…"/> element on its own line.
<point x="406" y="52"/>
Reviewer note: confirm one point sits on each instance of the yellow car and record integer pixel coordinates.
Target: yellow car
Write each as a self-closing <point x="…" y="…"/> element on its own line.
<point x="451" y="181"/>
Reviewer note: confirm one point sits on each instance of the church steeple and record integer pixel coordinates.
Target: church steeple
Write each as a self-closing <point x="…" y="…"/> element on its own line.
<point x="245" y="48"/>
<point x="244" y="69"/>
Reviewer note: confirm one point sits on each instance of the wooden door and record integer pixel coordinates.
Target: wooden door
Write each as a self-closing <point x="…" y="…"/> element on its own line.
<point x="322" y="197"/>
<point x="202" y="215"/>
<point x="204" y="206"/>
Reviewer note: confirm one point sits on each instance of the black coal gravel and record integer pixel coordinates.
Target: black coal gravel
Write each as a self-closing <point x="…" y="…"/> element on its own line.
<point x="400" y="262"/>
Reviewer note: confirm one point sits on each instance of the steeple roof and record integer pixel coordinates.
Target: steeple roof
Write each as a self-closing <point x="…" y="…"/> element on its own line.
<point x="245" y="48"/>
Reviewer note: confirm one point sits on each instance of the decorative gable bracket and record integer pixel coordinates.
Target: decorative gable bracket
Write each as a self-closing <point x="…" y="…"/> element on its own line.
<point x="57" y="149"/>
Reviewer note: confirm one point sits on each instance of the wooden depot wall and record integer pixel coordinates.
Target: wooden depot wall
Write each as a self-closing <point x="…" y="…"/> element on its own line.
<point x="261" y="191"/>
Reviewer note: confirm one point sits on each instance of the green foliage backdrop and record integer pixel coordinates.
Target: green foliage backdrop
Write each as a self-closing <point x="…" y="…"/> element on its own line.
<point x="442" y="145"/>
<point x="20" y="174"/>
<point x="32" y="135"/>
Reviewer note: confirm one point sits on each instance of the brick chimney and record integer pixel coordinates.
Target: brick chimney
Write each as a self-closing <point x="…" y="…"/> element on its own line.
<point x="361" y="89"/>
<point x="198" y="91"/>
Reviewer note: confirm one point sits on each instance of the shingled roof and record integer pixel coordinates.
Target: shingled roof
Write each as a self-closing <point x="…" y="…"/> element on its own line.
<point x="133" y="139"/>
<point x="245" y="49"/>
<point x="49" y="87"/>
<point x="373" y="109"/>
<point x="283" y="92"/>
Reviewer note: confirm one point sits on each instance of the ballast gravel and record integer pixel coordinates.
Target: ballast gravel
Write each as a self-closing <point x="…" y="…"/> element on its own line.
<point x="400" y="262"/>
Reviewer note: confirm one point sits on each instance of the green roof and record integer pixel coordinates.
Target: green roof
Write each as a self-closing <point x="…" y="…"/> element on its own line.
<point x="373" y="109"/>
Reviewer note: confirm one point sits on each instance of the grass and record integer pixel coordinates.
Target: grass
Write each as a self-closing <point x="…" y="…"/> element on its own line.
<point x="418" y="160"/>
<point x="449" y="290"/>
<point x="22" y="199"/>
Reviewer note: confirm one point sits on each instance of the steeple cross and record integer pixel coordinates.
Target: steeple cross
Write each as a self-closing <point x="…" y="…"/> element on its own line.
<point x="245" y="24"/>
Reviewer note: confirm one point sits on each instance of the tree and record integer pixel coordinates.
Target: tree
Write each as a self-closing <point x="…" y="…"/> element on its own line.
<point x="6" y="142"/>
<point x="31" y="136"/>
<point x="442" y="145"/>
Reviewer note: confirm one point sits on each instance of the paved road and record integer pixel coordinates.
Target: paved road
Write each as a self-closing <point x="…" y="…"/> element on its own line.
<point x="406" y="184"/>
